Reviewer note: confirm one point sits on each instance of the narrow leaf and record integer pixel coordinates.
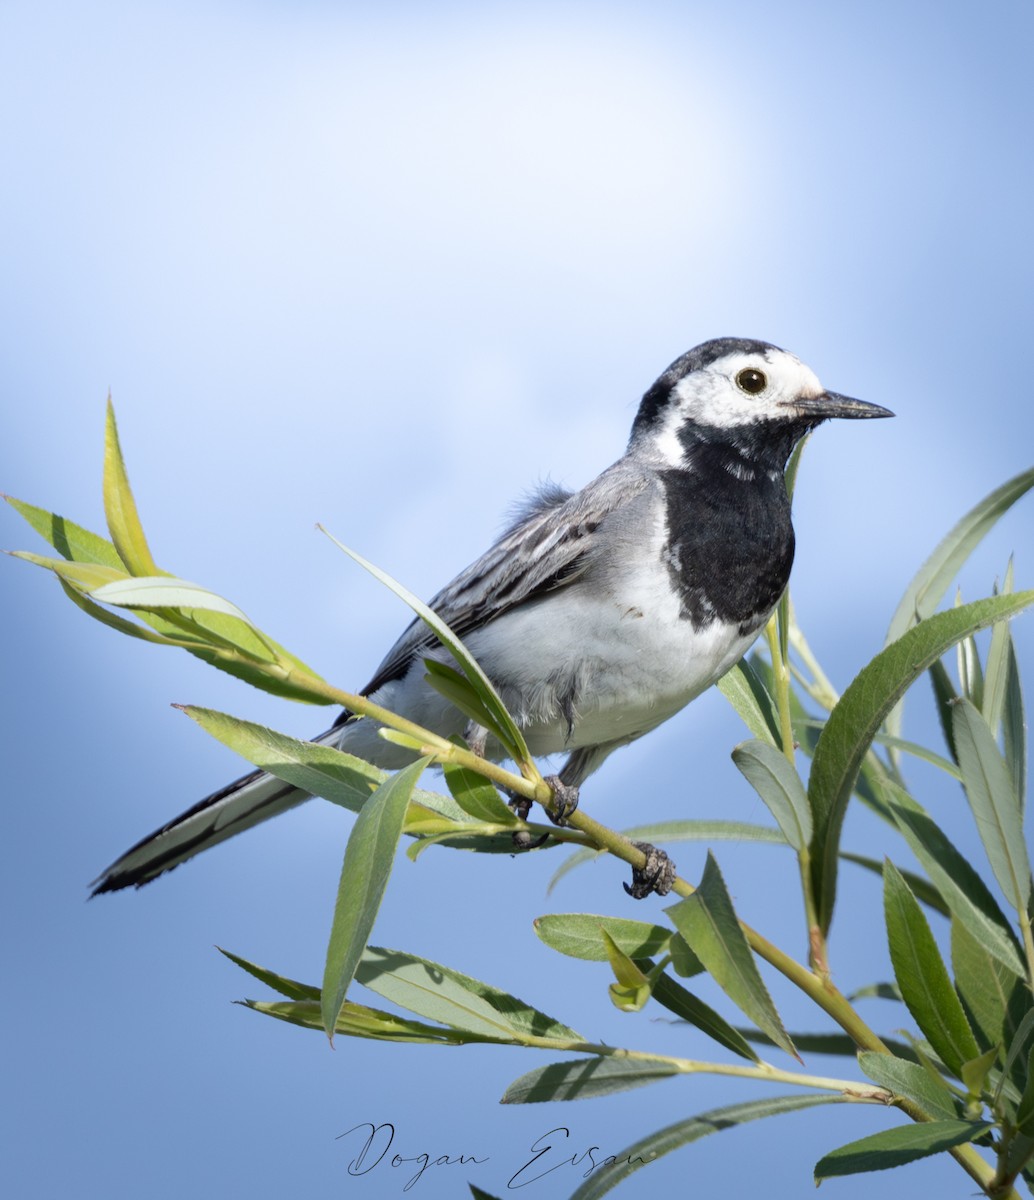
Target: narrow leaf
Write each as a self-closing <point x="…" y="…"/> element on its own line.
<point x="82" y="575"/>
<point x="369" y="857"/>
<point x="772" y="776"/>
<point x="923" y="889"/>
<point x="989" y="788"/>
<point x="279" y="983"/>
<point x="120" y="508"/>
<point x="476" y="796"/>
<point x="356" y="1020"/>
<point x="911" y="1080"/>
<point x="862" y="709"/>
<point x="163" y="591"/>
<point x="976" y="1072"/>
<point x="459" y="691"/>
<point x="747" y="693"/>
<point x="935" y="576"/>
<point x="114" y="621"/>
<point x="478" y="679"/>
<point x="688" y="1007"/>
<point x="1014" y="727"/>
<point x="443" y="994"/>
<point x="1025" y="1108"/>
<point x="631" y="990"/>
<point x="964" y="892"/>
<point x="895" y="1147"/>
<point x="708" y="923"/>
<point x="993" y="996"/>
<point x="655" y="1145"/>
<point x="922" y="977"/>
<point x="997" y="674"/>
<point x="71" y="541"/>
<point x="318" y="769"/>
<point x="584" y="1079"/>
<point x="581" y="935"/>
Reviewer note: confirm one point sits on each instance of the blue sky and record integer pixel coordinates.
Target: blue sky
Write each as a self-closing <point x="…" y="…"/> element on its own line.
<point x="386" y="269"/>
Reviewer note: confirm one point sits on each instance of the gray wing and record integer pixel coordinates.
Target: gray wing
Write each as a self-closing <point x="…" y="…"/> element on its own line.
<point x="551" y="544"/>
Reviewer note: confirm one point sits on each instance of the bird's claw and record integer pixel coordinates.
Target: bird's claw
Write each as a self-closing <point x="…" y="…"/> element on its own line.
<point x="565" y="799"/>
<point x="657" y="874"/>
<point x="522" y="838"/>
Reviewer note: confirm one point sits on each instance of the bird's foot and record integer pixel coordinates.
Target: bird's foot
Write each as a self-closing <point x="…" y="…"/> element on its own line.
<point x="522" y="839"/>
<point x="657" y="874"/>
<point x="565" y="799"/>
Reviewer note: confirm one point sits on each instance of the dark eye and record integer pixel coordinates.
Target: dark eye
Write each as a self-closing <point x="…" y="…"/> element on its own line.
<point x="752" y="381"/>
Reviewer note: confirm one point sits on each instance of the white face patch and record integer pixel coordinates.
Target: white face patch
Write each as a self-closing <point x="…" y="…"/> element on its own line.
<point x="712" y="398"/>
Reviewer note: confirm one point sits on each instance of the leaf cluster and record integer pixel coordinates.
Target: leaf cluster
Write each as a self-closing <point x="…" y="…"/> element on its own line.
<point x="964" y="1077"/>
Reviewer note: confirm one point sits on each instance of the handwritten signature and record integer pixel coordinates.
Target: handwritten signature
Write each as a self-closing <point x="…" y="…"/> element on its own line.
<point x="548" y="1153"/>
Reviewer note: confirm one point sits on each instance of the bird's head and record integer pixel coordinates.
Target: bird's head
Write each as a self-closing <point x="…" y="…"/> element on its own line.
<point x="748" y="396"/>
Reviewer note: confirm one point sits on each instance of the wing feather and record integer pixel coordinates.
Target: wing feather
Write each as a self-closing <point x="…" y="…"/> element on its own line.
<point x="551" y="544"/>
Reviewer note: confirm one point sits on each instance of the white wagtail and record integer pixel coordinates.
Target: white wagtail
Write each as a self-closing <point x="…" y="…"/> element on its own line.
<point x="601" y="613"/>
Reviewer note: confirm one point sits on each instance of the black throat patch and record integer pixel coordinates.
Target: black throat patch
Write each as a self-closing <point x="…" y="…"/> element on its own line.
<point x="730" y="539"/>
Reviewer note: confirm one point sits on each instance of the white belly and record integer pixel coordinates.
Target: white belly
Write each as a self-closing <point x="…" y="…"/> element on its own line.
<point x="622" y="657"/>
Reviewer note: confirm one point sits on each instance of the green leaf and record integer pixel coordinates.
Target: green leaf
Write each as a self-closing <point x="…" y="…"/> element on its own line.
<point x="688" y="1007"/>
<point x="1016" y="1048"/>
<point x="747" y="693"/>
<point x="839" y="1044"/>
<point x="317" y="769"/>
<point x="774" y="779"/>
<point x="163" y="591"/>
<point x="480" y="1193"/>
<point x="927" y="589"/>
<point x="120" y="508"/>
<point x="513" y="738"/>
<point x="933" y="579"/>
<point x="964" y="892"/>
<point x="922" y="977"/>
<point x="1025" y="1108"/>
<point x="1014" y="727"/>
<point x="995" y="806"/>
<point x="584" y="1079"/>
<point x="997" y="674"/>
<point x="993" y="996"/>
<point x="895" y="1147"/>
<point x="279" y="983"/>
<point x="877" y="991"/>
<point x="944" y="695"/>
<point x="862" y="709"/>
<point x="477" y="797"/>
<point x="120" y="624"/>
<point x="581" y="935"/>
<point x="911" y="1080"/>
<point x="923" y="889"/>
<point x="71" y="541"/>
<point x="632" y="988"/>
<point x="975" y="1073"/>
<point x="356" y="1020"/>
<point x="79" y="574"/>
<point x="369" y="857"/>
<point x="708" y="923"/>
<point x="460" y="693"/>
<point x="971" y="675"/>
<point x="443" y="994"/>
<point x="655" y="1145"/>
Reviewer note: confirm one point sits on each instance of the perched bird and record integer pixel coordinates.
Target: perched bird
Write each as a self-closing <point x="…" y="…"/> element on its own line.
<point x="601" y="613"/>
